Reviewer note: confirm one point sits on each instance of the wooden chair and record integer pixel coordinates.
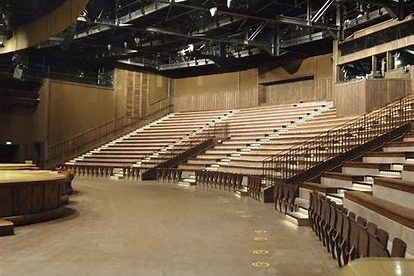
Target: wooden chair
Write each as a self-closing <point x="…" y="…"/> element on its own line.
<point x="372" y="228"/>
<point x="376" y="249"/>
<point x="382" y="236"/>
<point x="285" y="198"/>
<point x="321" y="214"/>
<point x="159" y="173"/>
<point x="361" y="221"/>
<point x="336" y="235"/>
<point x="311" y="210"/>
<point x="331" y="227"/>
<point x="277" y="194"/>
<point x="344" y="241"/>
<point x="197" y="177"/>
<point x="220" y="179"/>
<point x="351" y="251"/>
<point x="239" y="181"/>
<point x="363" y="242"/>
<point x="398" y="249"/>
<point x="324" y="220"/>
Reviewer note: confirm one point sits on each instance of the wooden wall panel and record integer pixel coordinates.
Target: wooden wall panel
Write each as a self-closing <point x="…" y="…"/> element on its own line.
<point x="221" y="91"/>
<point x="158" y="88"/>
<point x="244" y="80"/>
<point x="216" y="100"/>
<point x="145" y="93"/>
<point x="411" y="73"/>
<point x="293" y="92"/>
<point x="16" y="125"/>
<point x="120" y="83"/>
<point x="350" y="98"/>
<point x="323" y="66"/>
<point x="397" y="74"/>
<point x="402" y="74"/>
<point x="376" y="94"/>
<point x="359" y="97"/>
<point x="290" y="70"/>
<point x="323" y="89"/>
<point x="316" y="67"/>
<point x="75" y="108"/>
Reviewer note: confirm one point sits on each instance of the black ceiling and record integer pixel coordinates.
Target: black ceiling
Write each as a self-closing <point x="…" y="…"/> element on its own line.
<point x="193" y="37"/>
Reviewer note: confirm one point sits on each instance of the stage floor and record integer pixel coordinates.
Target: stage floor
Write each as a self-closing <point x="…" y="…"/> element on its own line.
<point x="149" y="228"/>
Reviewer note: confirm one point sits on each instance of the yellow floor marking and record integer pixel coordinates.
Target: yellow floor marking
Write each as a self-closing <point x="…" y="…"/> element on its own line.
<point x="260" y="264"/>
<point x="260" y="239"/>
<point x="260" y="252"/>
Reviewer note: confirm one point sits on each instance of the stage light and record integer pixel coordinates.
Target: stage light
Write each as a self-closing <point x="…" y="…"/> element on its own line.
<point x="213" y="11"/>
<point x="9" y="143"/>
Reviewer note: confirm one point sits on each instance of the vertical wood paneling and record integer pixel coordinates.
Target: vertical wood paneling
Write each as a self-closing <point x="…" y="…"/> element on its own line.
<point x="138" y="95"/>
<point x="306" y="90"/>
<point x="350" y="98"/>
<point x="359" y="97"/>
<point x="216" y="100"/>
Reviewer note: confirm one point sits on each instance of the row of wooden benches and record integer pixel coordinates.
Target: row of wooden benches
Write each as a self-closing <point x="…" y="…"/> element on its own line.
<point x="347" y="237"/>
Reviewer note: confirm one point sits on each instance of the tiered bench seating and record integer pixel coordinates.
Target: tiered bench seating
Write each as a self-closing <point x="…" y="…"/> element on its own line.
<point x="252" y="129"/>
<point x="144" y="142"/>
<point x="252" y="161"/>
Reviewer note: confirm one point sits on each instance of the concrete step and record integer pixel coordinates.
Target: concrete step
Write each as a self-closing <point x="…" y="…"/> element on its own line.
<point x="298" y="218"/>
<point x="242" y="192"/>
<point x="362" y="186"/>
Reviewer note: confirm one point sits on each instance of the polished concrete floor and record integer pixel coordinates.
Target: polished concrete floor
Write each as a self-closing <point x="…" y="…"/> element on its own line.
<point x="135" y="228"/>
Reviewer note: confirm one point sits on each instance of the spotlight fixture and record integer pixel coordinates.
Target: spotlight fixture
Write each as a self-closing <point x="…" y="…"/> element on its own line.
<point x="213" y="11"/>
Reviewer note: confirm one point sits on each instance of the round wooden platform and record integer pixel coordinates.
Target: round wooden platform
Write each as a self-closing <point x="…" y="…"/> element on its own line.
<point x="17" y="166"/>
<point x="29" y="196"/>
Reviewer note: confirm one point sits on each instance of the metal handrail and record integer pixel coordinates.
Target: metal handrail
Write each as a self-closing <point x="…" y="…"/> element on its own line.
<point x="342" y="139"/>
